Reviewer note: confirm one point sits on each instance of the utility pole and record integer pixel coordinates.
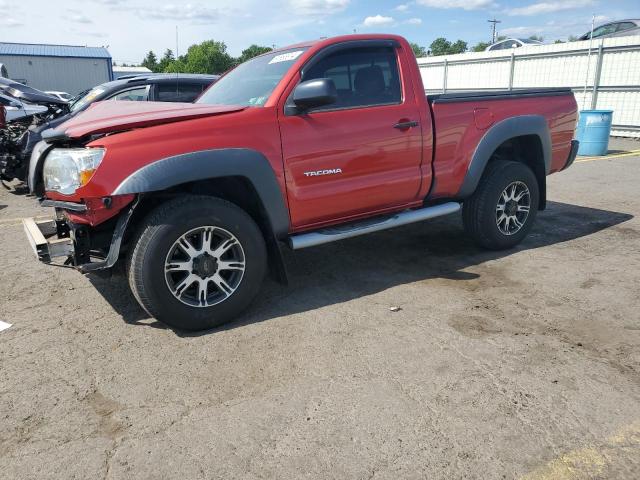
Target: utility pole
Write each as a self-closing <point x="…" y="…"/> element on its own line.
<point x="493" y="28"/>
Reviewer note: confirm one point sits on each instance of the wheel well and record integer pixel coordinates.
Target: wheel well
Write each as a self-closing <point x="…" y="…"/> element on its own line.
<point x="235" y="189"/>
<point x="528" y="150"/>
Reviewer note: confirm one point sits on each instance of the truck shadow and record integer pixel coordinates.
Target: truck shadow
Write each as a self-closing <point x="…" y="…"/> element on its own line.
<point x="361" y="266"/>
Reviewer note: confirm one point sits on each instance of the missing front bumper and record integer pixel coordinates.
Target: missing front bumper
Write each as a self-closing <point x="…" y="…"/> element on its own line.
<point x="47" y="239"/>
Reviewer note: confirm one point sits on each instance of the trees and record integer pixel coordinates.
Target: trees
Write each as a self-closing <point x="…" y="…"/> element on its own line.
<point x="442" y="46"/>
<point x="418" y="51"/>
<point x="458" y="46"/>
<point x="252" y="51"/>
<point x="151" y="61"/>
<point x="166" y="60"/>
<point x="209" y="56"/>
<point x="480" y="46"/>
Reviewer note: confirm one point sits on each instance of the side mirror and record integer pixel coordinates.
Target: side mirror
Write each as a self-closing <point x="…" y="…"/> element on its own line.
<point x="315" y="93"/>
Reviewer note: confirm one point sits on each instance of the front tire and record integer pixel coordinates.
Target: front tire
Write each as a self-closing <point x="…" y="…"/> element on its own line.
<point x="503" y="208"/>
<point x="197" y="262"/>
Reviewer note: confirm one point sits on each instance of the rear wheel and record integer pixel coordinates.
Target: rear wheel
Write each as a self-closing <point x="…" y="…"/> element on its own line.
<point x="197" y="262"/>
<point x="503" y="208"/>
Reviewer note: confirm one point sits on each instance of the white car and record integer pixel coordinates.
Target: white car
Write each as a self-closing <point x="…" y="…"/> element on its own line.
<point x="17" y="109"/>
<point x="509" y="43"/>
<point x="61" y="95"/>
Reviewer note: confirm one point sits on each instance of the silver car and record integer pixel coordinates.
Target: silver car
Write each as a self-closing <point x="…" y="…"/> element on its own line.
<point x="17" y="109"/>
<point x="620" y="28"/>
<point x="509" y="43"/>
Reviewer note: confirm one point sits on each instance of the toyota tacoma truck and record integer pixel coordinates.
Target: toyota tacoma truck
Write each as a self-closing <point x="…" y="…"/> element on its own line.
<point x="301" y="146"/>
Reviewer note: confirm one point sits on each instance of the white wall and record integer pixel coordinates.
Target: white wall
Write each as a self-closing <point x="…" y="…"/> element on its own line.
<point x="65" y="74"/>
<point x="557" y="65"/>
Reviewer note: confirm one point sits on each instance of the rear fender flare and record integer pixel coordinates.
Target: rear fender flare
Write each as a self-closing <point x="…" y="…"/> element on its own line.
<point x="496" y="136"/>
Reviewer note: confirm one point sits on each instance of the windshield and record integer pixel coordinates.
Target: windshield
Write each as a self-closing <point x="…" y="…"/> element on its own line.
<point x="81" y="101"/>
<point x="251" y="83"/>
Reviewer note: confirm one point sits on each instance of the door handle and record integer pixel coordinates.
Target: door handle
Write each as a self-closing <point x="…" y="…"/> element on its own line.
<point x="406" y="125"/>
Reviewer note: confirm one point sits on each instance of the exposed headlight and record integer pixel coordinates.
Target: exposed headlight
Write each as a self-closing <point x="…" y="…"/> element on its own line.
<point x="67" y="169"/>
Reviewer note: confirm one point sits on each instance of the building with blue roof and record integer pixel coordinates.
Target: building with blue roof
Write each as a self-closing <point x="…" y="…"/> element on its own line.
<point x="66" y="68"/>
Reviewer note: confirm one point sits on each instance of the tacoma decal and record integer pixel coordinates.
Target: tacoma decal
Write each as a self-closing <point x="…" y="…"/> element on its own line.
<point x="317" y="173"/>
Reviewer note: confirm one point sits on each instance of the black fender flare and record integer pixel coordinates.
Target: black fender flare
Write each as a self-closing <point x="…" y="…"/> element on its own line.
<point x="207" y="164"/>
<point x="498" y="134"/>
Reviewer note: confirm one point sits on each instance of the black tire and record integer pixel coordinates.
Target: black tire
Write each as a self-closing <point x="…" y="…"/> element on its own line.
<point x="479" y="212"/>
<point x="155" y="239"/>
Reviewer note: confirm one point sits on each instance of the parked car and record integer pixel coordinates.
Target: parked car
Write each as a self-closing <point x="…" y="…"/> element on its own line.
<point x="61" y="95"/>
<point x="159" y="87"/>
<point x="16" y="109"/>
<point x="620" y="28"/>
<point x="301" y="146"/>
<point x="510" y="43"/>
<point x="156" y="87"/>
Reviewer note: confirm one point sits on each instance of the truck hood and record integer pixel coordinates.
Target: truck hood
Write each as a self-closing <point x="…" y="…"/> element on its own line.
<point x="117" y="116"/>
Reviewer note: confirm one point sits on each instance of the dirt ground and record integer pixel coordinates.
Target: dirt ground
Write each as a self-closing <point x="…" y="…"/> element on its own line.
<point x="522" y="364"/>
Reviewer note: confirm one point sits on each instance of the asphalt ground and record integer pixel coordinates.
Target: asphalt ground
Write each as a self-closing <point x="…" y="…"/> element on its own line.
<point x="522" y="364"/>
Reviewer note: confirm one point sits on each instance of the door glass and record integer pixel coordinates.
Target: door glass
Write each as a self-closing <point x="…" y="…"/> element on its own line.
<point x="363" y="77"/>
<point x="180" y="92"/>
<point x="604" y="30"/>
<point x="625" y="26"/>
<point x="134" y="95"/>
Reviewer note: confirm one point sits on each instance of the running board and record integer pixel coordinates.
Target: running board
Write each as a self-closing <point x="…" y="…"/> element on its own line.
<point x="340" y="232"/>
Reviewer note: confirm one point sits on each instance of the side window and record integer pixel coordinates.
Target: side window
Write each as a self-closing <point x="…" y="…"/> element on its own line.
<point x="133" y="95"/>
<point x="622" y="26"/>
<point x="604" y="30"/>
<point x="363" y="77"/>
<point x="497" y="46"/>
<point x="181" y="92"/>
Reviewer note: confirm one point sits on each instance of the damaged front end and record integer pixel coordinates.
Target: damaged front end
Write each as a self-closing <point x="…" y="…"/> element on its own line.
<point x="73" y="243"/>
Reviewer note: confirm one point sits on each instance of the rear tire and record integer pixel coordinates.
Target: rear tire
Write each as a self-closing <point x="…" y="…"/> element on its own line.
<point x="196" y="262"/>
<point x="503" y="208"/>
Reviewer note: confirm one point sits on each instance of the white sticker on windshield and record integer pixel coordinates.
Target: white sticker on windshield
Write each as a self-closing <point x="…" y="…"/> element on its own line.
<point x="286" y="57"/>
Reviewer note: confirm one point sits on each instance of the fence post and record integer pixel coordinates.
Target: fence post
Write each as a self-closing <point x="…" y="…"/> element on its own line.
<point x="444" y="79"/>
<point x="511" y="68"/>
<point x="596" y="78"/>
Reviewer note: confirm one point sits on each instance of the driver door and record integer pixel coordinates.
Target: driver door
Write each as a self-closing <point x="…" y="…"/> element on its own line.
<point x="351" y="158"/>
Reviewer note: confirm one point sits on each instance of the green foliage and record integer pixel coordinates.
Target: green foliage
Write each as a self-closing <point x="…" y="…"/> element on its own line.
<point x="442" y="46"/>
<point x="536" y="37"/>
<point x="250" y="52"/>
<point x="166" y="60"/>
<point x="458" y="46"/>
<point x="418" y="51"/>
<point x="150" y="61"/>
<point x="480" y="46"/>
<point x="209" y="56"/>
<point x="572" y="38"/>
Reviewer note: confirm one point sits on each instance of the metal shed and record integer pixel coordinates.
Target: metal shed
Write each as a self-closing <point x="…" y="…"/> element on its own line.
<point x="65" y="68"/>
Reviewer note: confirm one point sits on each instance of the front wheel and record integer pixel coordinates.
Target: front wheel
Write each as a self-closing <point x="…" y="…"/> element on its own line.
<point x="197" y="262"/>
<point x="503" y="208"/>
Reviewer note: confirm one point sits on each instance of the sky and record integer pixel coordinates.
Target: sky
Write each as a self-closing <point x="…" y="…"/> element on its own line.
<point x="130" y="28"/>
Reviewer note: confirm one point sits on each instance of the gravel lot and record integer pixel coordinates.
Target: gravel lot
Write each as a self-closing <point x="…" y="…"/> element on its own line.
<point x="520" y="364"/>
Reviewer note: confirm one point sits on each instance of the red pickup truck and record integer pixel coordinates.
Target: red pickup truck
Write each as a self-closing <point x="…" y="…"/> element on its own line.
<point x="304" y="145"/>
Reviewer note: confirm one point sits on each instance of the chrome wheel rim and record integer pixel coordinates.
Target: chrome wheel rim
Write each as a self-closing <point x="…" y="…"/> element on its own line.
<point x="513" y="208"/>
<point x="204" y="266"/>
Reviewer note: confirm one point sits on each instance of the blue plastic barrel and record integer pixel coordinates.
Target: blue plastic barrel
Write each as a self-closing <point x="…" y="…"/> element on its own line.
<point x="594" y="128"/>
